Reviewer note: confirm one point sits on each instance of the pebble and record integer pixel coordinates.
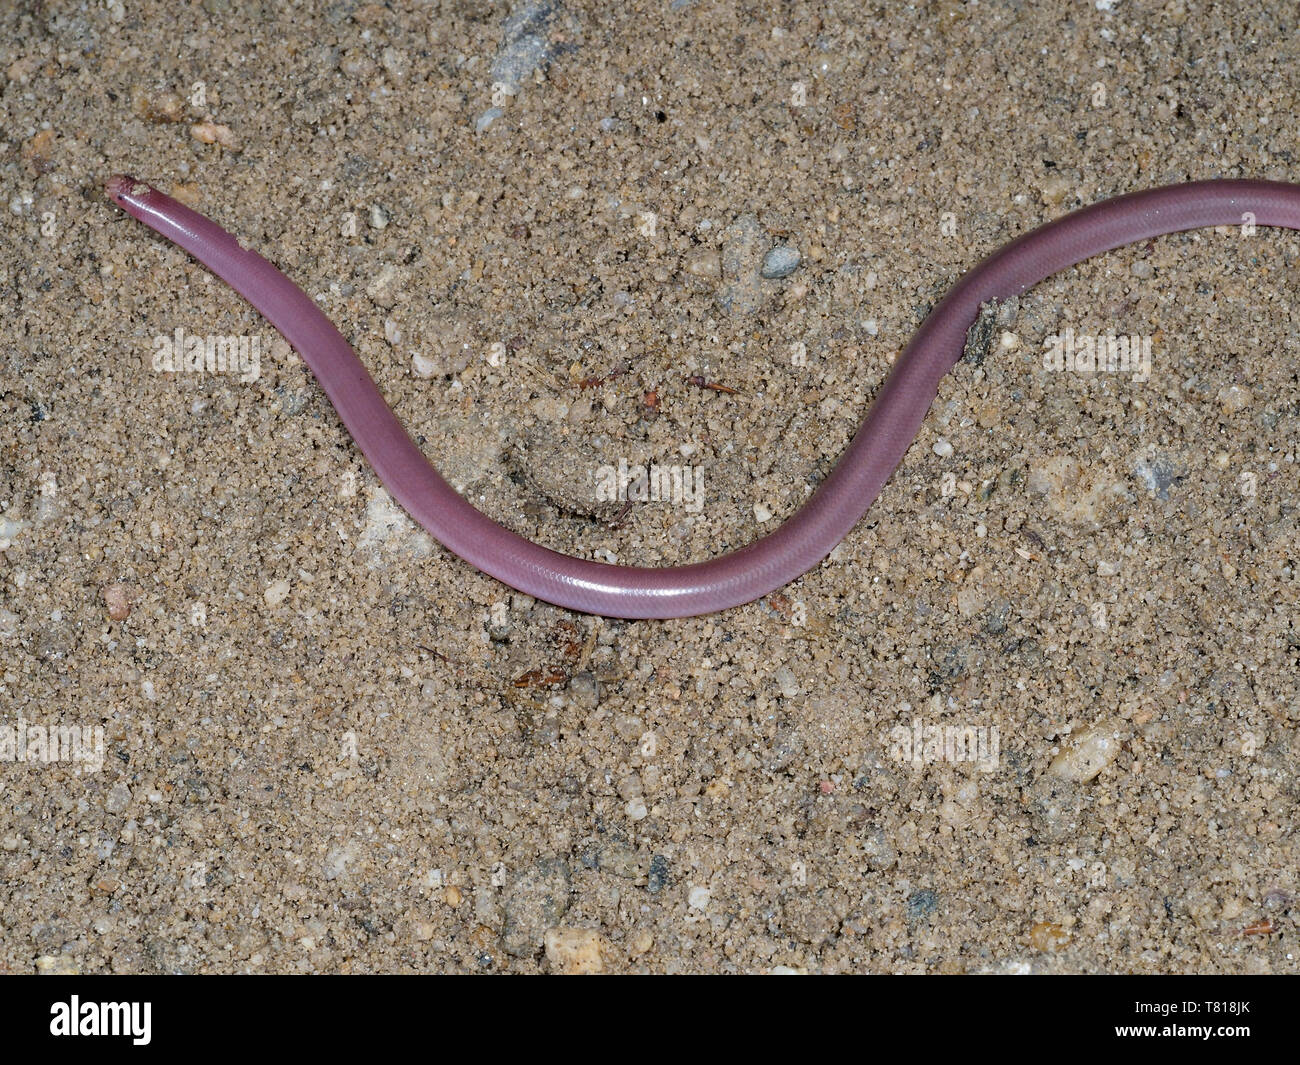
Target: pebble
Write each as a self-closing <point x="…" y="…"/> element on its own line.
<point x="158" y="107"/>
<point x="117" y="601"/>
<point x="212" y="133"/>
<point x="575" y="951"/>
<point x="658" y="877"/>
<point x="276" y="593"/>
<point x="536" y="901"/>
<point x="1233" y="398"/>
<point x="921" y="904"/>
<point x="526" y="43"/>
<point x="698" y="898"/>
<point x="761" y="513"/>
<point x="781" y="261"/>
<point x="1054" y="189"/>
<point x="118" y="799"/>
<point x="9" y="530"/>
<point x="742" y="244"/>
<point x="487" y="118"/>
<point x="579" y="410"/>
<point x="641" y="942"/>
<point x="1089" y="752"/>
<point x="384" y="287"/>
<point x="943" y="449"/>
<point x="584" y="689"/>
<point x="787" y="682"/>
<point x="703" y="262"/>
<point x="1046" y="936"/>
<point x="337" y="861"/>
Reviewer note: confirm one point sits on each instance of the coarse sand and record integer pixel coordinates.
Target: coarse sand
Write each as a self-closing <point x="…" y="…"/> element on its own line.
<point x="1039" y="710"/>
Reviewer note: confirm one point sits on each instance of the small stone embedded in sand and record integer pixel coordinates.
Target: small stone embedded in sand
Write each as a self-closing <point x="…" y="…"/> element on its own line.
<point x="535" y="902"/>
<point x="118" y="798"/>
<point x="1054" y="188"/>
<point x="166" y="106"/>
<point x="921" y="904"/>
<point x="1047" y="936"/>
<point x="640" y="942"/>
<point x="384" y="286"/>
<point x="532" y="35"/>
<point x="57" y="965"/>
<point x="704" y="263"/>
<point x="781" y="261"/>
<point x="742" y="254"/>
<point x="208" y="132"/>
<point x="39" y="151"/>
<point x="698" y="898"/>
<point x="338" y="859"/>
<point x="1089" y="752"/>
<point x="787" y="682"/>
<point x="276" y="593"/>
<point x="761" y="513"/>
<point x="1233" y="398"/>
<point x="575" y="951"/>
<point x="584" y="689"/>
<point x="117" y="601"/>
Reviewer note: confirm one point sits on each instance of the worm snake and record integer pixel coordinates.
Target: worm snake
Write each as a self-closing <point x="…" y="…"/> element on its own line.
<point x="807" y="537"/>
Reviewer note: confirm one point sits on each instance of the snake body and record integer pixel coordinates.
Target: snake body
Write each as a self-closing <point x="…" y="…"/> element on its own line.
<point x="807" y="537"/>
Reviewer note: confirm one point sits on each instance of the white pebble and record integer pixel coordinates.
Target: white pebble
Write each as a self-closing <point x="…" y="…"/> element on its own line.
<point x="276" y="593"/>
<point x="1091" y="751"/>
<point x="787" y="682"/>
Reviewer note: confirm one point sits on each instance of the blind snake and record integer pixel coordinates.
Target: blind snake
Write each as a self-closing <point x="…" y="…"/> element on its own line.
<point x="808" y="536"/>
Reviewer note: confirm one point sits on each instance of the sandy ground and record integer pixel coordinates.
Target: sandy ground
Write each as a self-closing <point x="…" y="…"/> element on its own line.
<point x="330" y="746"/>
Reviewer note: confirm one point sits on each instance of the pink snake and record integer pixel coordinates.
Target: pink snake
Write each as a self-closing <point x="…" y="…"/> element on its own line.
<point x="824" y="520"/>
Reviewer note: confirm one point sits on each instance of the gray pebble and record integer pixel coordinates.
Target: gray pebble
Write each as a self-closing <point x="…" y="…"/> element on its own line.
<point x="119" y="798"/>
<point x="584" y="689"/>
<point x="657" y="879"/>
<point x="781" y="261"/>
<point x="487" y="118"/>
<point x="536" y="902"/>
<point x="921" y="904"/>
